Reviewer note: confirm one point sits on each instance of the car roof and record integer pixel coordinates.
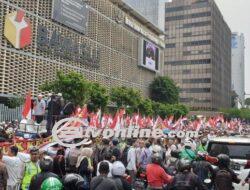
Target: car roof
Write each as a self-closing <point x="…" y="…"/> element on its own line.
<point x="232" y="139"/>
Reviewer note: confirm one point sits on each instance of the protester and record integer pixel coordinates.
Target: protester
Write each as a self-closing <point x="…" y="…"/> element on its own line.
<point x="187" y="152"/>
<point x="84" y="164"/>
<point x="203" y="169"/>
<point x="145" y="157"/>
<point x="202" y="147"/>
<point x="156" y="176"/>
<point x="3" y="173"/>
<point x="73" y="182"/>
<point x="131" y="160"/>
<point x="59" y="163"/>
<point x="15" y="169"/>
<point x="118" y="172"/>
<point x="225" y="177"/>
<point x="52" y="183"/>
<point x="116" y="153"/>
<point x="73" y="155"/>
<point x="39" y="109"/>
<point x="46" y="166"/>
<point x="107" y="158"/>
<point x="102" y="182"/>
<point x="185" y="179"/>
<point x="32" y="168"/>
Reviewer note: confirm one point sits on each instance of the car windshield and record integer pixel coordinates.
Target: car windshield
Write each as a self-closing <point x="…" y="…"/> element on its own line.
<point x="235" y="151"/>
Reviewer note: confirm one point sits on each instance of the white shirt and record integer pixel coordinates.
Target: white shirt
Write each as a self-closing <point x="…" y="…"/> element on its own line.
<point x="131" y="159"/>
<point x="39" y="108"/>
<point x="15" y="169"/>
<point x="110" y="168"/>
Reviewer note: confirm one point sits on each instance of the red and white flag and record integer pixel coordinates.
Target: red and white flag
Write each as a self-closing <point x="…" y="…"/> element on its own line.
<point x="26" y="113"/>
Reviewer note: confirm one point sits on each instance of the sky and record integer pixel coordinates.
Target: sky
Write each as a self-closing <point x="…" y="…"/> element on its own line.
<point x="237" y="15"/>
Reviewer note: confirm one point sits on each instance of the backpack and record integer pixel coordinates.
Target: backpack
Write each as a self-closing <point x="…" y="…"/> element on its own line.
<point x="125" y="156"/>
<point x="73" y="157"/>
<point x="118" y="183"/>
<point x="223" y="180"/>
<point x="183" y="182"/>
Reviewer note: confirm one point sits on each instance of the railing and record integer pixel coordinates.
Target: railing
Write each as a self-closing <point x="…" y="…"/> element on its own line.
<point x="9" y="114"/>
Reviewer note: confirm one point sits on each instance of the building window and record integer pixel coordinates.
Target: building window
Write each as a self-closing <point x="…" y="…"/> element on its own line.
<point x="186" y="71"/>
<point x="190" y="16"/>
<point x="195" y="81"/>
<point x="195" y="90"/>
<point x="189" y="62"/>
<point x="197" y="43"/>
<point x="199" y="4"/>
<point x="197" y="24"/>
<point x="170" y="45"/>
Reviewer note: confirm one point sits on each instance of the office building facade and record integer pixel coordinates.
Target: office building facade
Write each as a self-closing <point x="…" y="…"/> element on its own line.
<point x="198" y="53"/>
<point x="238" y="66"/>
<point x="101" y="39"/>
<point x="153" y="10"/>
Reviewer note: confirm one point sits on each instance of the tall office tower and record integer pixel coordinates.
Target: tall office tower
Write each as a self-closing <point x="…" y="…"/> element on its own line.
<point x="238" y="66"/>
<point x="198" y="53"/>
<point x="153" y="10"/>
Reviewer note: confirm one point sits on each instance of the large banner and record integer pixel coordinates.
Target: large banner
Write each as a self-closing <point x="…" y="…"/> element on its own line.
<point x="24" y="145"/>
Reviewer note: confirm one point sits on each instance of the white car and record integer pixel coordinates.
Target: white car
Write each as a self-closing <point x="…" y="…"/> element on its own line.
<point x="238" y="149"/>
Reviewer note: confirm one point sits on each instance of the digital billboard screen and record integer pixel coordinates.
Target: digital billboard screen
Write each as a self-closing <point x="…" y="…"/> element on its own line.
<point x="150" y="56"/>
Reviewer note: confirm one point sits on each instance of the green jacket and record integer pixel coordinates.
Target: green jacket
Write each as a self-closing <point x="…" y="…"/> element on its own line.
<point x="31" y="169"/>
<point x="188" y="154"/>
<point x="201" y="148"/>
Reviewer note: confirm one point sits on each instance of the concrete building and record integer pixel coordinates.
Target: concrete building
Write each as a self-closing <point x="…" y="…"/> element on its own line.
<point x="238" y="66"/>
<point x="198" y="53"/>
<point x="153" y="10"/>
<point x="104" y="40"/>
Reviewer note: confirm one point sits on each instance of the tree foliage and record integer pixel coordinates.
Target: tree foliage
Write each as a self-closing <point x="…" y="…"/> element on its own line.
<point x="98" y="96"/>
<point x="247" y="101"/>
<point x="236" y="113"/>
<point x="164" y="90"/>
<point x="73" y="86"/>
<point x="14" y="102"/>
<point x="126" y="97"/>
<point x="76" y="89"/>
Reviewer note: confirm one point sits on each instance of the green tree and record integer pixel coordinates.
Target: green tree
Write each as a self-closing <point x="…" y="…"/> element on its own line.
<point x="146" y="107"/>
<point x="164" y="90"/>
<point x="126" y="97"/>
<point x="73" y="86"/>
<point x="14" y="102"/>
<point x="247" y="101"/>
<point x="98" y="96"/>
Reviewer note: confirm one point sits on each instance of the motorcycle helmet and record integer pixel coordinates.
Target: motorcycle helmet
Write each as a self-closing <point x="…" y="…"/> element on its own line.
<point x="118" y="169"/>
<point x="223" y="160"/>
<point x="184" y="164"/>
<point x="46" y="164"/>
<point x="51" y="183"/>
<point x="73" y="181"/>
<point x="156" y="159"/>
<point x="204" y="141"/>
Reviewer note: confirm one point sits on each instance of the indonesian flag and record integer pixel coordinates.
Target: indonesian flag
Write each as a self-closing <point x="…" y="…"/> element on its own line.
<point x="105" y="119"/>
<point x="127" y="121"/>
<point x="116" y="120"/>
<point x="149" y="122"/>
<point x="158" y="122"/>
<point x="170" y="120"/>
<point x="84" y="112"/>
<point x="26" y="113"/>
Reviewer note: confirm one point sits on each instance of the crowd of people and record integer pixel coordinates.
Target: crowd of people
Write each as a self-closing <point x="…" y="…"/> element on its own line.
<point x="112" y="164"/>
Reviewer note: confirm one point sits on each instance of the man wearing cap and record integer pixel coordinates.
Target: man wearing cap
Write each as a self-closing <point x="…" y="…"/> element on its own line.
<point x="31" y="168"/>
<point x="39" y="109"/>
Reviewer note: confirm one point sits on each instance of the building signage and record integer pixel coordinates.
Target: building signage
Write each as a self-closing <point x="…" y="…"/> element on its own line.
<point x="71" y="13"/>
<point x="145" y="33"/>
<point x="66" y="48"/>
<point x="17" y="29"/>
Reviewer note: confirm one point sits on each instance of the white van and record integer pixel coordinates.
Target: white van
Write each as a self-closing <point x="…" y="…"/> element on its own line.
<point x="238" y="149"/>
